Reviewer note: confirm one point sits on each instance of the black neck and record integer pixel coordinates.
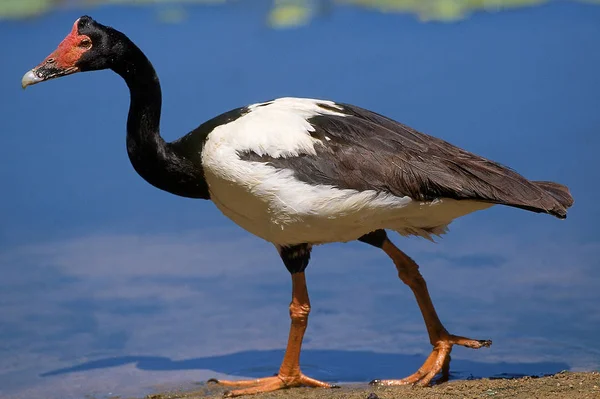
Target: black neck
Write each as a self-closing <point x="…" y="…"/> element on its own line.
<point x="155" y="160"/>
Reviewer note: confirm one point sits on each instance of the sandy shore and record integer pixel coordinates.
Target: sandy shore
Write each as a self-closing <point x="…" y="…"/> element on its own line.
<point x="561" y="385"/>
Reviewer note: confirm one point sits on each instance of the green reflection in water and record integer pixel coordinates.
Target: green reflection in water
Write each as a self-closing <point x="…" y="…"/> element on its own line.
<point x="286" y="13"/>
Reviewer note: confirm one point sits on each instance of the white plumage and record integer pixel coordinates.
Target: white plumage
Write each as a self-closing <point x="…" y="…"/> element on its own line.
<point x="273" y="204"/>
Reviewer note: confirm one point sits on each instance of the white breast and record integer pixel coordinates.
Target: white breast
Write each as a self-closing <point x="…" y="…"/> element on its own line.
<point x="271" y="203"/>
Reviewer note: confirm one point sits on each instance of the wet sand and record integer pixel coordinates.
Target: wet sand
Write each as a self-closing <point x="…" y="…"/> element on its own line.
<point x="561" y="385"/>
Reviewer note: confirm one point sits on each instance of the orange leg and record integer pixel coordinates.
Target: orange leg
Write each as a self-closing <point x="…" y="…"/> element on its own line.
<point x="289" y="373"/>
<point x="439" y="359"/>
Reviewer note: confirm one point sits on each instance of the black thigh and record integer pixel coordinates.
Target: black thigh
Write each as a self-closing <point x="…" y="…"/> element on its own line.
<point x="295" y="257"/>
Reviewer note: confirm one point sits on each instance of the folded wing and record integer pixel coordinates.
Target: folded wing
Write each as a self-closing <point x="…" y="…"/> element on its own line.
<point x="363" y="150"/>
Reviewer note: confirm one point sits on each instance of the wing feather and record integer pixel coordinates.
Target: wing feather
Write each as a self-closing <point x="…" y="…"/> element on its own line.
<point x="363" y="150"/>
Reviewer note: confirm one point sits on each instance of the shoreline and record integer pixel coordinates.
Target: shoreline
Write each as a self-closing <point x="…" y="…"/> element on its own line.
<point x="566" y="384"/>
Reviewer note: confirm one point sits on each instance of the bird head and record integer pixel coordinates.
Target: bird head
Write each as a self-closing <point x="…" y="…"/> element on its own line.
<point x="89" y="46"/>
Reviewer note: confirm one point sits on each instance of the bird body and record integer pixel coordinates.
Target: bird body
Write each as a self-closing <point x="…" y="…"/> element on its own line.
<point x="298" y="172"/>
<point x="273" y="203"/>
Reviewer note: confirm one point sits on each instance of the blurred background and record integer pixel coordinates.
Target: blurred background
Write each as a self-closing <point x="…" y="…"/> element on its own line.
<point x="111" y="287"/>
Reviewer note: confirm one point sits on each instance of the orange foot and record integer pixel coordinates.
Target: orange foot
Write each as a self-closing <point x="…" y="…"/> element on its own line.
<point x="268" y="384"/>
<point x="438" y="361"/>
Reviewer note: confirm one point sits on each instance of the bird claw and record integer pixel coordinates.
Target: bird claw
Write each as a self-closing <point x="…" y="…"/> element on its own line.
<point x="268" y="384"/>
<point x="438" y="361"/>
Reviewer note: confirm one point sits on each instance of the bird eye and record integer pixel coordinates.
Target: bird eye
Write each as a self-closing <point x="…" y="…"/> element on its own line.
<point x="85" y="43"/>
<point x="50" y="61"/>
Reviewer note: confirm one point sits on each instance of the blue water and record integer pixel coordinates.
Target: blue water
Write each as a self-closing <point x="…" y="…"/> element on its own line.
<point x="109" y="286"/>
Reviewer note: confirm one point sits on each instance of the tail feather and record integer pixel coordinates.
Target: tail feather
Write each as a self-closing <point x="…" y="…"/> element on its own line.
<point x="560" y="193"/>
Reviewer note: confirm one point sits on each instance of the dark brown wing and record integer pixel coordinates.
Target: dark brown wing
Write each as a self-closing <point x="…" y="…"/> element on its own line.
<point x="367" y="151"/>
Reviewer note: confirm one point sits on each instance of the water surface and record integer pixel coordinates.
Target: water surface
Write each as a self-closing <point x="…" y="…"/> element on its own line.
<point x="110" y="286"/>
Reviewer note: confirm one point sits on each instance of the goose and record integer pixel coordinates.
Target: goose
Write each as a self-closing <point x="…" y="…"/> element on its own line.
<point x="299" y="172"/>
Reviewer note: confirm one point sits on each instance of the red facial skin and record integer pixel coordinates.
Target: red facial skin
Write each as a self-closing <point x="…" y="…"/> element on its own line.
<point x="69" y="51"/>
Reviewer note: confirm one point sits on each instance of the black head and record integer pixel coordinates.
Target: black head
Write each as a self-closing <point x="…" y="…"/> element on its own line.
<point x="89" y="47"/>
